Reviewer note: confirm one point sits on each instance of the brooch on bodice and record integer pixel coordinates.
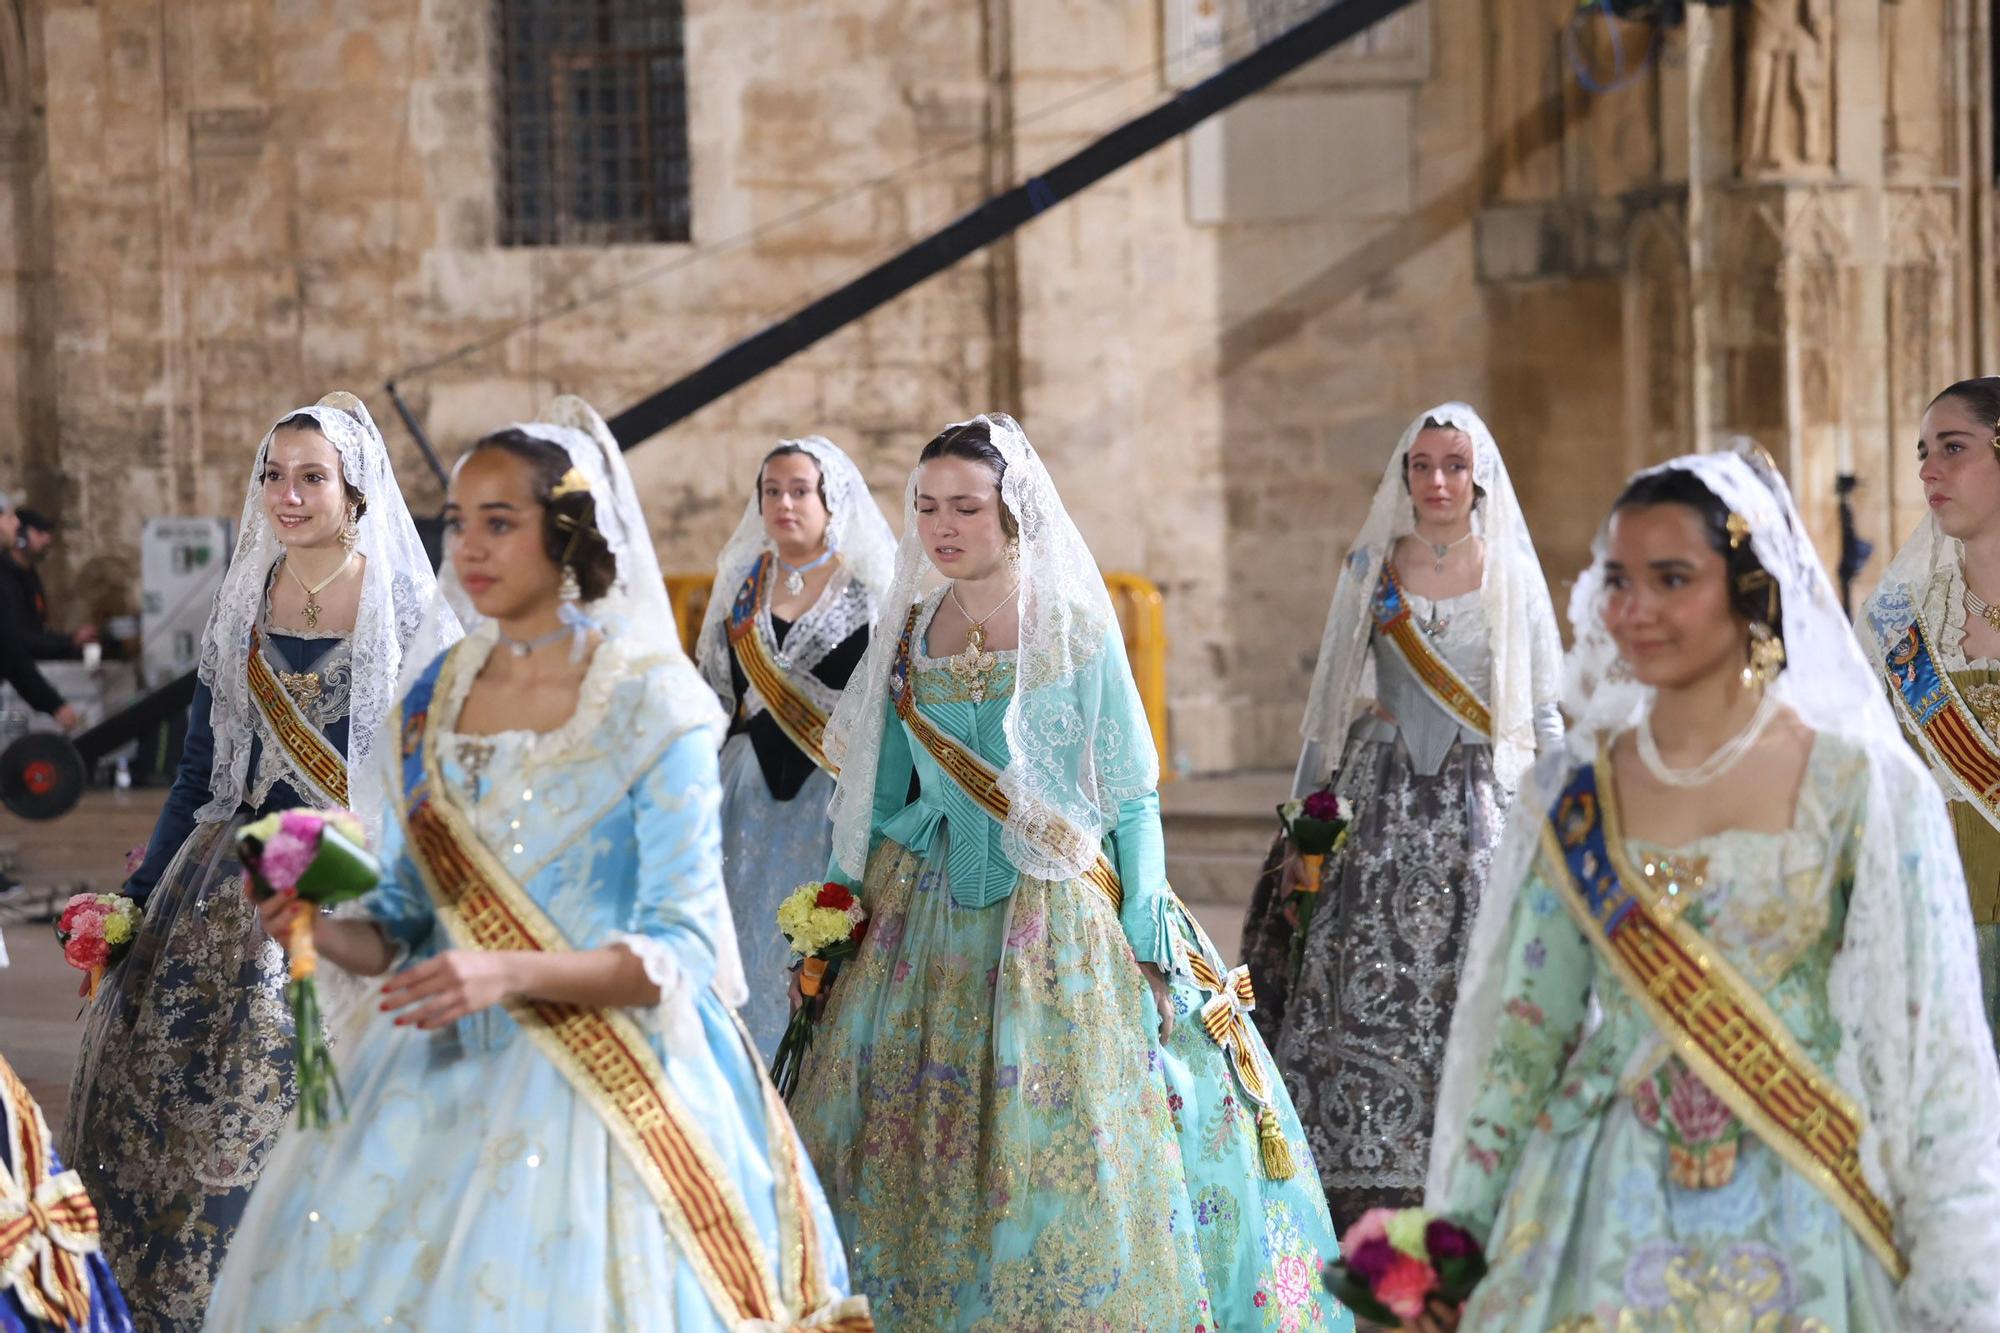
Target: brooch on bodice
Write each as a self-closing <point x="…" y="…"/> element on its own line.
<point x="1675" y="880"/>
<point x="303" y="686"/>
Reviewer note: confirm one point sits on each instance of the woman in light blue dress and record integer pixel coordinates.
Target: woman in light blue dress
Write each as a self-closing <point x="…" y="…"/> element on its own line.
<point x="790" y="612"/>
<point x="1719" y="1060"/>
<point x="1035" y="1095"/>
<point x="555" y="1120"/>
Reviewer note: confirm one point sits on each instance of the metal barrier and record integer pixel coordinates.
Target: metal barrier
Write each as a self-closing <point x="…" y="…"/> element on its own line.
<point x="1136" y="598"/>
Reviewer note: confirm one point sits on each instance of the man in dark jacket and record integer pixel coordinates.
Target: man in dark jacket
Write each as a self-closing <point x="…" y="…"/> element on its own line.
<point x="23" y="562"/>
<point x="20" y="628"/>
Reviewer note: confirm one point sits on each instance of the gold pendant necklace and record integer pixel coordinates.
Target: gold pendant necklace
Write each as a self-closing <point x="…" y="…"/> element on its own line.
<point x="1980" y="607"/>
<point x="312" y="607"/>
<point x="973" y="663"/>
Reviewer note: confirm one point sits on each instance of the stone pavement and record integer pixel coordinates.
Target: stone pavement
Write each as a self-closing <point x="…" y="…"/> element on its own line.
<point x="86" y="849"/>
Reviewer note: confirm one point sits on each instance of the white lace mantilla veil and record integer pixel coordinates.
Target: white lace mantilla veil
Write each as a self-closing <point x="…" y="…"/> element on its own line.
<point x="1077" y="743"/>
<point x="635" y="612"/>
<point x="401" y="617"/>
<point x="1520" y="618"/>
<point x="855" y="530"/>
<point x="1904" y="1037"/>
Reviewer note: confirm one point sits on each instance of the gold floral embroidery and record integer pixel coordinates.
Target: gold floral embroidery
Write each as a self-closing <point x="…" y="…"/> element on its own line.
<point x="942" y="685"/>
<point x="1984" y="701"/>
<point x="303" y="686"/>
<point x="992" y="1106"/>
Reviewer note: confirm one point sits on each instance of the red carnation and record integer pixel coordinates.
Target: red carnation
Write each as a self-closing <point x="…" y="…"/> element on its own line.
<point x="837" y="896"/>
<point x="87" y="951"/>
<point x="1404" y="1287"/>
<point x="1322" y="805"/>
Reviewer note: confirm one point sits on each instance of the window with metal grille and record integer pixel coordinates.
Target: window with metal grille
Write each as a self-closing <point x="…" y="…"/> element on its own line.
<point x="593" y="121"/>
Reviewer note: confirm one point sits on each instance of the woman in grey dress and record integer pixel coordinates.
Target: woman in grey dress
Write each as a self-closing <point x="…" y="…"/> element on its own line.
<point x="1437" y="683"/>
<point x="788" y="620"/>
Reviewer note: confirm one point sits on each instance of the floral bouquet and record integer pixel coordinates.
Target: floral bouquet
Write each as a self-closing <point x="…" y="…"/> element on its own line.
<point x="1317" y="826"/>
<point x="821" y="922"/>
<point x="95" y="931"/>
<point x="321" y="857"/>
<point x="1394" y="1262"/>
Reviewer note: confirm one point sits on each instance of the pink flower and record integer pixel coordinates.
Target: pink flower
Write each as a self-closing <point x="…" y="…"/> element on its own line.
<point x="1026" y="929"/>
<point x="1699" y="1115"/>
<point x="1371" y="1225"/>
<point x="88" y="950"/>
<point x="1646" y="1104"/>
<point x="1292" y="1278"/>
<point x="83" y="914"/>
<point x="1405" y="1285"/>
<point x="287" y="855"/>
<point x="305" y="825"/>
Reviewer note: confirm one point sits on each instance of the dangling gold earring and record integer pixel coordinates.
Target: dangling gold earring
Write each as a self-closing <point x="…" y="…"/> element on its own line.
<point x="350" y="532"/>
<point x="1767" y="657"/>
<point x="1013" y="552"/>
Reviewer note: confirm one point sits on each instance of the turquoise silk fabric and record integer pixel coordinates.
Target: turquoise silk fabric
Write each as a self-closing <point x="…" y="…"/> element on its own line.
<point x="1006" y="1141"/>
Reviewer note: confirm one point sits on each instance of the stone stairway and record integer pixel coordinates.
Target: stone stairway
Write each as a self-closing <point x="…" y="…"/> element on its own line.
<point x="1218" y="830"/>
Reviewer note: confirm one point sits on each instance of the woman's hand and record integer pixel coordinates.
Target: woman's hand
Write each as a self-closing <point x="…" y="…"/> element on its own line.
<point x="1294" y="880"/>
<point x="454" y="985"/>
<point x="276" y="912"/>
<point x="1163" y="997"/>
<point x="1440" y="1318"/>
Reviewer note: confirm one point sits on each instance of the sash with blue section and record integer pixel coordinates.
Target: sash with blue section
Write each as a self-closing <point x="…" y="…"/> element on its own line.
<point x="609" y="1061"/>
<point x="1397" y="624"/>
<point x="1711" y="1016"/>
<point x="796" y="715"/>
<point x="1937" y="717"/>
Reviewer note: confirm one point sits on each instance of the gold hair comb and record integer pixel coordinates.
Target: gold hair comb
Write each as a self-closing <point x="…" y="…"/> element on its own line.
<point x="1739" y="530"/>
<point x="572" y="482"/>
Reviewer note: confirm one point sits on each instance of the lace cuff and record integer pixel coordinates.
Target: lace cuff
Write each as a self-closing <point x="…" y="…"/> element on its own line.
<point x="672" y="1016"/>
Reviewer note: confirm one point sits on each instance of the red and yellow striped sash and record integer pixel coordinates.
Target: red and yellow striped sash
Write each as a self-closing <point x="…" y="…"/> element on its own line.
<point x="611" y="1064"/>
<point x="47" y="1222"/>
<point x="311" y="757"/>
<point x="1395" y="622"/>
<point x="1710" y="1014"/>
<point x="796" y="715"/>
<point x="981" y="781"/>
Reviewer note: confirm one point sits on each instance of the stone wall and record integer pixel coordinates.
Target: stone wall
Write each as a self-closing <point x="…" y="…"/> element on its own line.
<point x="212" y="211"/>
<point x="253" y="203"/>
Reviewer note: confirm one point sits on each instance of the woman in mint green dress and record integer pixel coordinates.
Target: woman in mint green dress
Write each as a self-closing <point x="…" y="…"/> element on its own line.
<point x="1719" y="1060"/>
<point x="1020" y="1116"/>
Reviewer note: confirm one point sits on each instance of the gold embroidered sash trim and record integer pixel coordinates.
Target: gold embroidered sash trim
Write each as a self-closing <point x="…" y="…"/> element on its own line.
<point x="312" y="759"/>
<point x="1397" y="623"/>
<point x="1710" y="1015"/>
<point x="1944" y="725"/>
<point x="47" y="1223"/>
<point x="611" y="1064"/>
<point x="803" y="724"/>
<point x="981" y="781"/>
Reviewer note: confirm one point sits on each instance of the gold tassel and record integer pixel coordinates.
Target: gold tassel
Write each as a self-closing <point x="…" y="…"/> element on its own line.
<point x="1278" y="1164"/>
